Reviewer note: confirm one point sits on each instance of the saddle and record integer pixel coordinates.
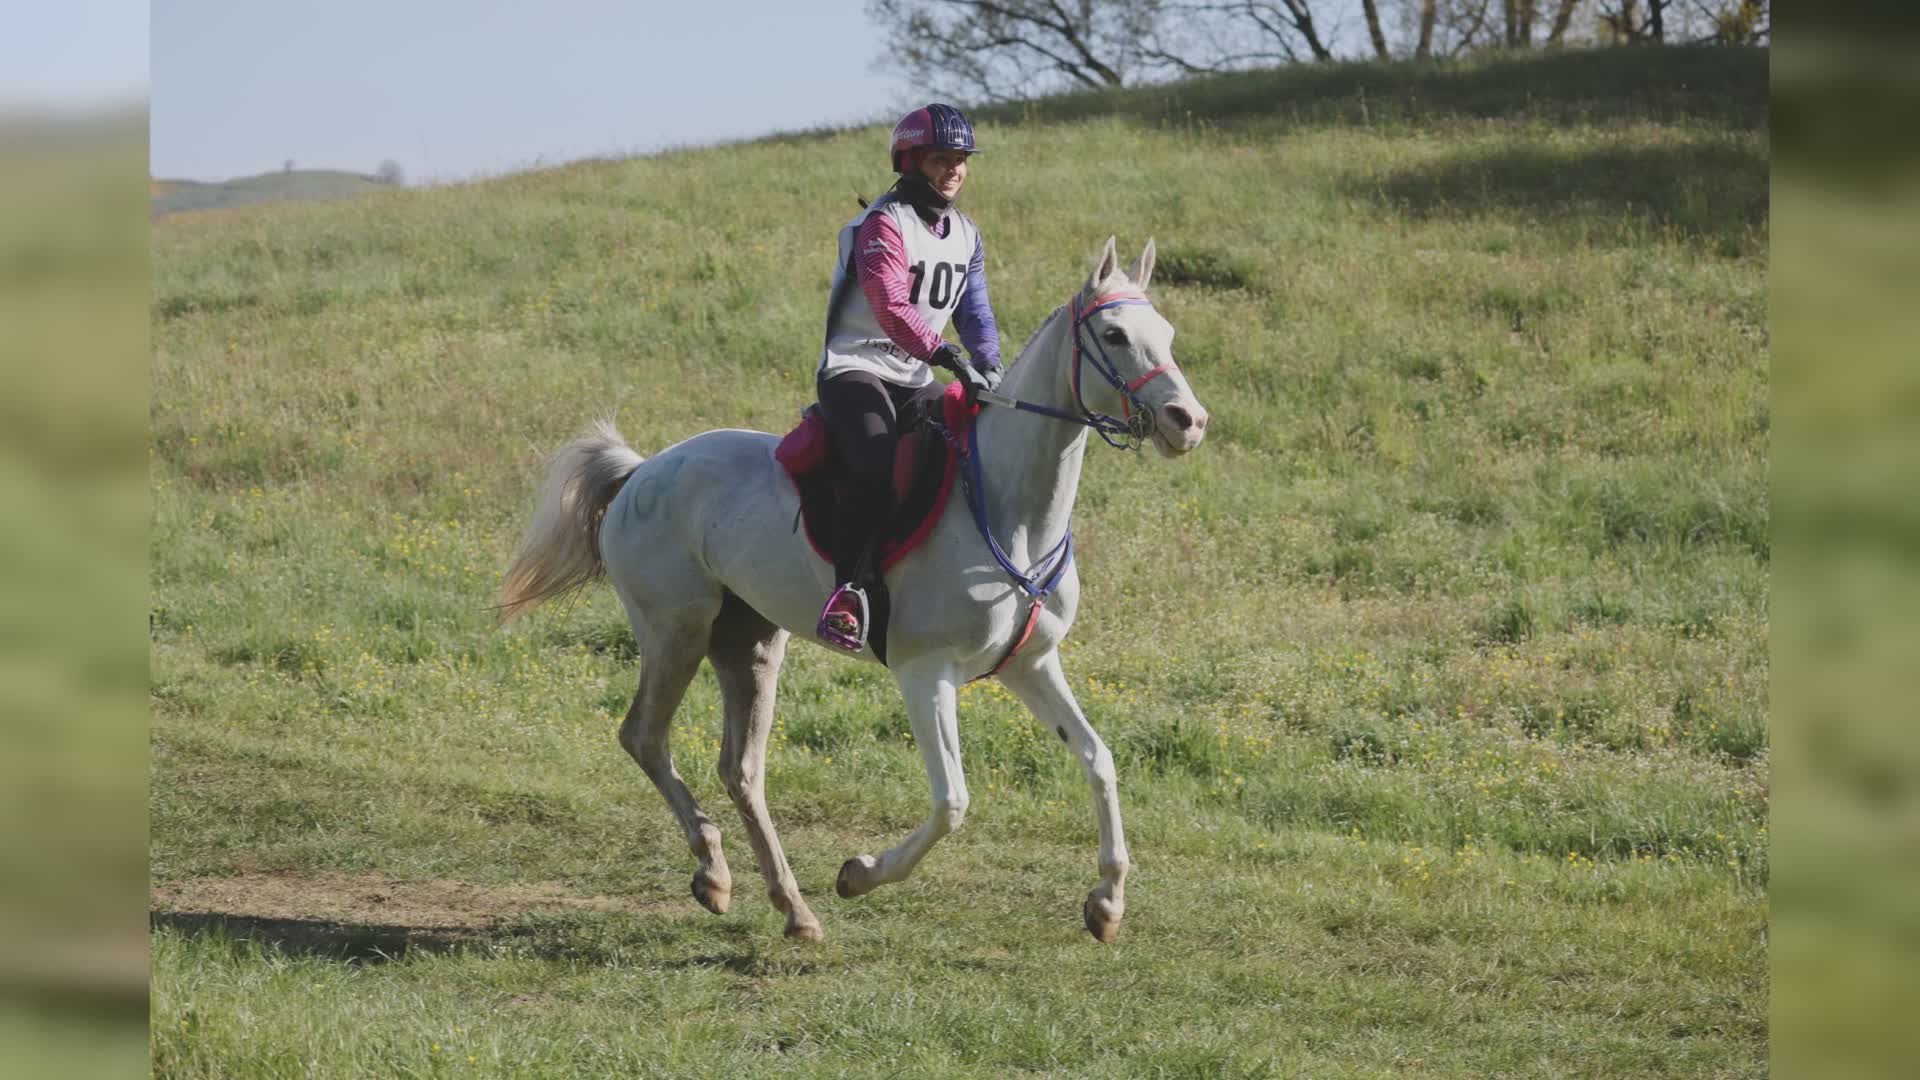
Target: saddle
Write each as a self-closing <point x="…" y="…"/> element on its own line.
<point x="924" y="469"/>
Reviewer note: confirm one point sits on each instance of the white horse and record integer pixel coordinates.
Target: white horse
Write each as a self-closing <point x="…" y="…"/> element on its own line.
<point x="700" y="546"/>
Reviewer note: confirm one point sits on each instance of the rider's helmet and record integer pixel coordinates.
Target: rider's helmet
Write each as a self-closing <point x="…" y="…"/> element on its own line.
<point x="936" y="127"/>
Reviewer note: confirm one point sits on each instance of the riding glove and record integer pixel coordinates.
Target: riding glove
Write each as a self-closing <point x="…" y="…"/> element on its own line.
<point x="948" y="356"/>
<point x="974" y="379"/>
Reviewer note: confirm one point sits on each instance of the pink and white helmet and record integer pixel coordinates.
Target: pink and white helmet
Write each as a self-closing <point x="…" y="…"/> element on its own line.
<point x="937" y="127"/>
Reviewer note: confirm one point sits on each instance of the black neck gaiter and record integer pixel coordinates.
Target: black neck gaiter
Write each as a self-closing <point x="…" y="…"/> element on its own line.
<point x="917" y="191"/>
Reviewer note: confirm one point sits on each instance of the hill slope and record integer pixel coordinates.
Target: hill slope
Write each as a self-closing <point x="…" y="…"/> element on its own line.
<point x="178" y="196"/>
<point x="1437" y="678"/>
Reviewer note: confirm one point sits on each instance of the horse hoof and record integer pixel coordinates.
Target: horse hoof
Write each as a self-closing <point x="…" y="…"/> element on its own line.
<point x="805" y="931"/>
<point x="713" y="895"/>
<point x="1103" y="926"/>
<point x="852" y="881"/>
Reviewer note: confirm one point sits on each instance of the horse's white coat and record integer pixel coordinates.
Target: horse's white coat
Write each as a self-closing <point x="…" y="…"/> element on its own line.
<point x="714" y="516"/>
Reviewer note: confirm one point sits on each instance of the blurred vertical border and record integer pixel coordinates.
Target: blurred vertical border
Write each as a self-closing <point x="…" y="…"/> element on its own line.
<point x="1846" y="627"/>
<point x="1846" y="347"/>
<point x="73" y="591"/>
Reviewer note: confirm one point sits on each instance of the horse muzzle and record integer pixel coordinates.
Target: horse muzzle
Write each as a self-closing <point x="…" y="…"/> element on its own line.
<point x="1179" y="426"/>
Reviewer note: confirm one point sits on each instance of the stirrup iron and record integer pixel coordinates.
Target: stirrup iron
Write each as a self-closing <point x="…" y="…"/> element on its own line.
<point x="832" y="634"/>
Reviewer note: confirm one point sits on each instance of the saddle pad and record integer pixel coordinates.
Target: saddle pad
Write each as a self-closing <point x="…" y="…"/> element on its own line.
<point x="924" y="469"/>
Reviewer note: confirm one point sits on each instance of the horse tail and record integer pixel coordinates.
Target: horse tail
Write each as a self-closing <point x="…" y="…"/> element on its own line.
<point x="561" y="550"/>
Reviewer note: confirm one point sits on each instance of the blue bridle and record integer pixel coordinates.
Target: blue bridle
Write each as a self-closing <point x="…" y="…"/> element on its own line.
<point x="1122" y="432"/>
<point x="1125" y="432"/>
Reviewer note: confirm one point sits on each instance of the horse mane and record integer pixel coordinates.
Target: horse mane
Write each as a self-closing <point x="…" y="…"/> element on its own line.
<point x="1102" y="287"/>
<point x="1035" y="336"/>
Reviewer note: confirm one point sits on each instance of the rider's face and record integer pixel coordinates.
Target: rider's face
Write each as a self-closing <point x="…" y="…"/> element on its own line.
<point x="946" y="170"/>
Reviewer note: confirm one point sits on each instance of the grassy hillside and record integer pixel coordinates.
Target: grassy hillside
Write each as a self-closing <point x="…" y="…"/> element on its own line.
<point x="177" y="196"/>
<point x="1451" y="758"/>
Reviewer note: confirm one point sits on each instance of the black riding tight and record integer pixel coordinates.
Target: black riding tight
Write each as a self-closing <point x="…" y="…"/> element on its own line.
<point x="863" y="416"/>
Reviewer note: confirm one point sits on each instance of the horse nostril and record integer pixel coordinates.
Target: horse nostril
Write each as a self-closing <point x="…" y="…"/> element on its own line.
<point x="1179" y="417"/>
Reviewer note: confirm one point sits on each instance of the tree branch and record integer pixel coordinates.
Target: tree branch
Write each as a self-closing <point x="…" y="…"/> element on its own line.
<point x="1073" y="38"/>
<point x="1562" y="18"/>
<point x="1472" y="33"/>
<point x="1371" y="8"/>
<point x="1064" y="28"/>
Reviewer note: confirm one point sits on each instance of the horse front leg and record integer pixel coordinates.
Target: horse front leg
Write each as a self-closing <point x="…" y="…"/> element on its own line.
<point x="929" y="689"/>
<point x="1042" y="687"/>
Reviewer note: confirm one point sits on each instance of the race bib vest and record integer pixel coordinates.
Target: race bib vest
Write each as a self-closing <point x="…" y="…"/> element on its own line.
<point x="936" y="274"/>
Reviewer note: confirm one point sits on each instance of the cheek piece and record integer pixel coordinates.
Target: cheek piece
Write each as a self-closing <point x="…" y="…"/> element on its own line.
<point x="1132" y="427"/>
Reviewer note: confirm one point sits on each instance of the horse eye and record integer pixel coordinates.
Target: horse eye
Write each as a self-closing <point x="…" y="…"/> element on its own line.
<point x="1116" y="336"/>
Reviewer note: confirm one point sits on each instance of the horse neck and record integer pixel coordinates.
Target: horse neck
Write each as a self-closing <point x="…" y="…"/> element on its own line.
<point x="1030" y="464"/>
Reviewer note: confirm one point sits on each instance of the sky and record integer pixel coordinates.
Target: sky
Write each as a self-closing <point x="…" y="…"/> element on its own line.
<point x="456" y="89"/>
<point x="72" y="54"/>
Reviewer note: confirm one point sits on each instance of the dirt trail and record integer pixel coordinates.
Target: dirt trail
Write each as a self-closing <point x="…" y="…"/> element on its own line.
<point x="372" y="899"/>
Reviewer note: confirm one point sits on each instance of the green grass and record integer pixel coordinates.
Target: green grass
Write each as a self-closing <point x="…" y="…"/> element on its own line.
<point x="1453" y="759"/>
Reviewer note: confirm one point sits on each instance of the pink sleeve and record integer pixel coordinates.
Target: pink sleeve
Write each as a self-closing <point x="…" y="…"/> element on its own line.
<point x="880" y="256"/>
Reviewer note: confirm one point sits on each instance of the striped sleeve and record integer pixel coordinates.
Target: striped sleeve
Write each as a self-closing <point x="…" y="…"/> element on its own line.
<point x="880" y="257"/>
<point x="974" y="317"/>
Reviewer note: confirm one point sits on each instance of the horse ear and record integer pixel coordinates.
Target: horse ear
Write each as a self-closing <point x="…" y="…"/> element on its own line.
<point x="1103" y="269"/>
<point x="1142" y="271"/>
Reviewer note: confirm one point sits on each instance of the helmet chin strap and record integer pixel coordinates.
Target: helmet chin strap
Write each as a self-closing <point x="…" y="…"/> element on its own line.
<point x="918" y="192"/>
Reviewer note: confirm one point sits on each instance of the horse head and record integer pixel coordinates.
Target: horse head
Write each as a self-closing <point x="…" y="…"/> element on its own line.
<point x="1118" y="332"/>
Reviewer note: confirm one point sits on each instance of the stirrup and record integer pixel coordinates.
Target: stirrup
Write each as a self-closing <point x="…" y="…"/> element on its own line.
<point x="832" y="626"/>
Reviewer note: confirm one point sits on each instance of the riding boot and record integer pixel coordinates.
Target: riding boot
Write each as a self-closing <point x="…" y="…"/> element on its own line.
<point x="844" y="620"/>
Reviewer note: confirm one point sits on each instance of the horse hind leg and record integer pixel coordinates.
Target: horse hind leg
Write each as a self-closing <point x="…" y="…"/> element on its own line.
<point x="669" y="661"/>
<point x="747" y="651"/>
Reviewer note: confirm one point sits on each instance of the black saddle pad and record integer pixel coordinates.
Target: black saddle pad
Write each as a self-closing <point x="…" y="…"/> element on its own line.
<point x="924" y="472"/>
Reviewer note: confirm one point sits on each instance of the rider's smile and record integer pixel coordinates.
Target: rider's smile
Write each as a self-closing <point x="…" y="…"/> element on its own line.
<point x="946" y="170"/>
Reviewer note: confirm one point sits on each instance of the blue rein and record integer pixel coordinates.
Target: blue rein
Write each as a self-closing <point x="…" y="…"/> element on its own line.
<point x="1039" y="580"/>
<point x="1044" y="575"/>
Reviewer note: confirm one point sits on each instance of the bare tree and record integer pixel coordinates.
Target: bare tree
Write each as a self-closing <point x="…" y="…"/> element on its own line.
<point x="1285" y="19"/>
<point x="1000" y="49"/>
<point x="1223" y="35"/>
<point x="1372" y="10"/>
<point x="1621" y="20"/>
<point x="1517" y="22"/>
<point x="1005" y="49"/>
<point x="1727" y="22"/>
<point x="1730" y="22"/>
<point x="390" y="172"/>
<point x="1444" y="27"/>
<point x="1463" y="26"/>
<point x="1562" y="18"/>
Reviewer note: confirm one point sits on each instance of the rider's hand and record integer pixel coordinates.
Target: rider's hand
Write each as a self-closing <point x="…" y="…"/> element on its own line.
<point x="974" y="381"/>
<point x="948" y="356"/>
<point x="992" y="375"/>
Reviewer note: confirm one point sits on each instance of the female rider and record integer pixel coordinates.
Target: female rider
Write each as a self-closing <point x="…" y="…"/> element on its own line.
<point x="917" y="262"/>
